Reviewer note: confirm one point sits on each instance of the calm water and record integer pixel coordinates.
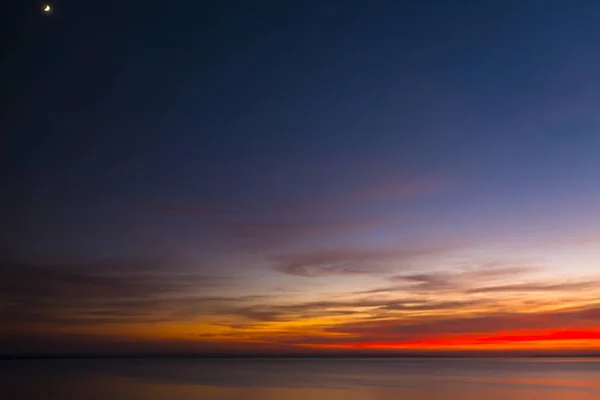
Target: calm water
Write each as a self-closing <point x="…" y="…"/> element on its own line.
<point x="306" y="379"/>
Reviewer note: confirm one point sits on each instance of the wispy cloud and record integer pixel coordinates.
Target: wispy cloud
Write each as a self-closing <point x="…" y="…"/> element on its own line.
<point x="347" y="261"/>
<point x="538" y="287"/>
<point x="400" y="190"/>
<point x="336" y="262"/>
<point x="268" y="311"/>
<point x="315" y="212"/>
<point x="370" y="193"/>
<point x="98" y="293"/>
<point x="271" y="224"/>
<point x="590" y="240"/>
<point x="458" y="279"/>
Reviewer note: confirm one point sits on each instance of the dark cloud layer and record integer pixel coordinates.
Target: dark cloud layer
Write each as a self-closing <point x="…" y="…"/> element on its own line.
<point x="96" y="293"/>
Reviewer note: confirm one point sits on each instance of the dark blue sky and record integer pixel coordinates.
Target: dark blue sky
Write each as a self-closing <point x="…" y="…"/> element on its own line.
<point x="121" y="116"/>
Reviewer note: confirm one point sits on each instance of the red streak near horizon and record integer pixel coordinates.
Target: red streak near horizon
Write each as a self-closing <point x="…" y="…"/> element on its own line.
<point x="470" y="340"/>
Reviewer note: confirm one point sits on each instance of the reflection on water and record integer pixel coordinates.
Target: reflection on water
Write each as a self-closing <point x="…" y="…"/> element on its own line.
<point x="291" y="379"/>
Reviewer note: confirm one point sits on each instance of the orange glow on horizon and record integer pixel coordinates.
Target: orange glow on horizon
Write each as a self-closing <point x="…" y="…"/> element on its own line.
<point x="521" y="340"/>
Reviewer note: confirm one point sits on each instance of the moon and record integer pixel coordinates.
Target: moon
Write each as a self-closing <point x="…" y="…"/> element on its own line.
<point x="47" y="8"/>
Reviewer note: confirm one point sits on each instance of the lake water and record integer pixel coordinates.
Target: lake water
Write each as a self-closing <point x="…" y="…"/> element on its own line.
<point x="302" y="379"/>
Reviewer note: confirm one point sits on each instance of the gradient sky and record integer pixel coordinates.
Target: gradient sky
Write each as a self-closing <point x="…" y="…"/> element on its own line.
<point x="301" y="176"/>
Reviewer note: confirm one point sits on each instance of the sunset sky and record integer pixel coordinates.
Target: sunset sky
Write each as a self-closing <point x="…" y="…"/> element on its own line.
<point x="301" y="176"/>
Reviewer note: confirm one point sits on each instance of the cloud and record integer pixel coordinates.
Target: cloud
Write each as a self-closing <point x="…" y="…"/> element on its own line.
<point x="398" y="330"/>
<point x="400" y="190"/>
<point x="98" y="293"/>
<point x="275" y="223"/>
<point x="71" y="296"/>
<point x="379" y="307"/>
<point x="276" y="216"/>
<point x="538" y="287"/>
<point x="590" y="240"/>
<point x="498" y="270"/>
<point x="257" y="233"/>
<point x="324" y="263"/>
<point x="370" y="193"/>
<point x="430" y="281"/>
<point x="346" y="261"/>
<point x="460" y="279"/>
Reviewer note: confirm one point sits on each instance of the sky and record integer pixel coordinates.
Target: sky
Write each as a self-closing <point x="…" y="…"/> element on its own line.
<point x="300" y="177"/>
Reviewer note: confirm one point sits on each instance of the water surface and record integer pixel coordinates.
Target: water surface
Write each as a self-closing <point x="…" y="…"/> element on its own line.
<point x="302" y="379"/>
